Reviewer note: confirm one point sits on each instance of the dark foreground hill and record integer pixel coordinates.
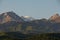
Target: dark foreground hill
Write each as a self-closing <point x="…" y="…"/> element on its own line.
<point x="19" y="36"/>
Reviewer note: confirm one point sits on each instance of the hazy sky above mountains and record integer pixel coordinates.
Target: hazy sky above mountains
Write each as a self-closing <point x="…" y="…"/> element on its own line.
<point x="33" y="8"/>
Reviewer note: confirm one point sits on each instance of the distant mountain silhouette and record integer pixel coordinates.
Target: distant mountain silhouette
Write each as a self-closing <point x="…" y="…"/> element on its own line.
<point x="9" y="16"/>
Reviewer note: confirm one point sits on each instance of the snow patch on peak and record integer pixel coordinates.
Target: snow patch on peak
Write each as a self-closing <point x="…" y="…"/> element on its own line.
<point x="27" y="18"/>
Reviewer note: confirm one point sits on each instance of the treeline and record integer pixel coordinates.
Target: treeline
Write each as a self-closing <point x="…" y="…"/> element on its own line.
<point x="43" y="36"/>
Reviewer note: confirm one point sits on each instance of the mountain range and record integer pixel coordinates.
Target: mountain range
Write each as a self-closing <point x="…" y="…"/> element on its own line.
<point x="11" y="22"/>
<point x="11" y="19"/>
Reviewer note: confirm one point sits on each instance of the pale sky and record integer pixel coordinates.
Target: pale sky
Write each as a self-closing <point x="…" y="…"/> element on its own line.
<point x="33" y="8"/>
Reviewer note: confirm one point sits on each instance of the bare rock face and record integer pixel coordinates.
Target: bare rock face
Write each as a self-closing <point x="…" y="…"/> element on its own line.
<point x="55" y="18"/>
<point x="9" y="16"/>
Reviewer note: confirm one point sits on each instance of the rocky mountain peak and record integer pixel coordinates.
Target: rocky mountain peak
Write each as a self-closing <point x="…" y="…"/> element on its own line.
<point x="9" y="16"/>
<point x="55" y="17"/>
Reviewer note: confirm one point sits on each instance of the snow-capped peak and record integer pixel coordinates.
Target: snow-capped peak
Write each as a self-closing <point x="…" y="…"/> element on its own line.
<point x="27" y="18"/>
